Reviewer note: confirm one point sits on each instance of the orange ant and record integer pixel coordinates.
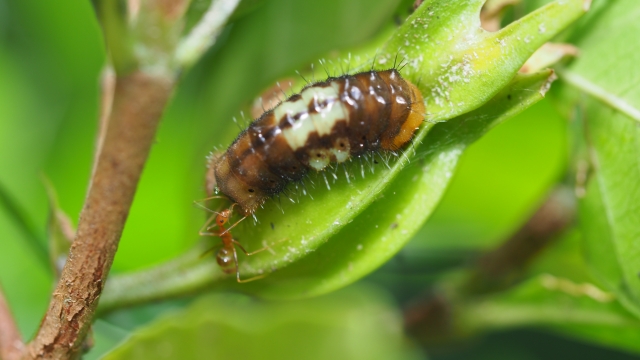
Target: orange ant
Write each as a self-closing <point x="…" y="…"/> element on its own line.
<point x="227" y="256"/>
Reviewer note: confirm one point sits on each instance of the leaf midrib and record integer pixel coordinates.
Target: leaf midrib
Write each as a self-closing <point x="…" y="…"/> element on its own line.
<point x="600" y="94"/>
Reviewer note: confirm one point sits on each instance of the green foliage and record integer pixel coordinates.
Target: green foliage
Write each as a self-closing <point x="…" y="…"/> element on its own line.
<point x="236" y="327"/>
<point x="385" y="226"/>
<point x="607" y="74"/>
<point x="312" y="224"/>
<point x="580" y="309"/>
<point x="473" y="189"/>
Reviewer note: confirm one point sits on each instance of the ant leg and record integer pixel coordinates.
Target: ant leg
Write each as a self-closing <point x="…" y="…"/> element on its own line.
<point x="255" y="251"/>
<point x="250" y="253"/>
<point x="199" y="203"/>
<point x="232" y="226"/>
<point x="211" y="198"/>
<point x="235" y="259"/>
<point x="205" y="227"/>
<point x="257" y="277"/>
<point x="210" y="250"/>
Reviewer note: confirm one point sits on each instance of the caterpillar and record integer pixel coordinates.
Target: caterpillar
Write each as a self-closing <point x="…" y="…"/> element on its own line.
<point x="328" y="122"/>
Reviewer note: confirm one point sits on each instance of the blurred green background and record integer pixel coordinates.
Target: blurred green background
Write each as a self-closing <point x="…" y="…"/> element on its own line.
<point x="51" y="56"/>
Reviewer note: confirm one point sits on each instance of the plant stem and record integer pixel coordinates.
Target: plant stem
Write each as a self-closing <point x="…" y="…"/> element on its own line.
<point x="184" y="275"/>
<point x="11" y="345"/>
<point x="192" y="47"/>
<point x="499" y="268"/>
<point x="483" y="315"/>
<point x="443" y="317"/>
<point x="138" y="102"/>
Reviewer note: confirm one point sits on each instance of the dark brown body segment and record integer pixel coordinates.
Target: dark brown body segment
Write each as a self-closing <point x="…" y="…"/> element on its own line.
<point x="329" y="121"/>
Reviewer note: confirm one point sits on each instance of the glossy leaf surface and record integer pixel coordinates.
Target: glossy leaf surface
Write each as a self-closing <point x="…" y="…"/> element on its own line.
<point x="606" y="75"/>
<point x="306" y="224"/>
<point x="235" y="327"/>
<point x="303" y="227"/>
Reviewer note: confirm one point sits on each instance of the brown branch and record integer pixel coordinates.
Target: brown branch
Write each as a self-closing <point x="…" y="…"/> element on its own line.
<point x="433" y="319"/>
<point x="501" y="267"/>
<point x="138" y="102"/>
<point x="11" y="345"/>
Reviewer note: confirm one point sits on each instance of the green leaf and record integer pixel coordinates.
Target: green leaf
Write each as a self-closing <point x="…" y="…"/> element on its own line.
<point x="557" y="293"/>
<point x="307" y="225"/>
<point x="610" y="212"/>
<point x="460" y="65"/>
<point x="392" y="219"/>
<point x="249" y="56"/>
<point x="361" y="246"/>
<point x="606" y="73"/>
<point x="606" y="69"/>
<point x="499" y="183"/>
<point x="310" y="227"/>
<point x="580" y="309"/>
<point x="359" y="323"/>
<point x="565" y="260"/>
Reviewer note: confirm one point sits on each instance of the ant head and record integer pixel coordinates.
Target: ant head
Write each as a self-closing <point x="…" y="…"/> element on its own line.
<point x="223" y="217"/>
<point x="226" y="260"/>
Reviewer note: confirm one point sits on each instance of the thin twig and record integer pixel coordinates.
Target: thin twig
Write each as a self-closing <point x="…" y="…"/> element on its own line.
<point x="434" y="319"/>
<point x="138" y="102"/>
<point x="501" y="267"/>
<point x="203" y="35"/>
<point x="11" y="345"/>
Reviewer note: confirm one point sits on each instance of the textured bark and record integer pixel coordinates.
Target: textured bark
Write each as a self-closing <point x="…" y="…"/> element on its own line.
<point x="138" y="102"/>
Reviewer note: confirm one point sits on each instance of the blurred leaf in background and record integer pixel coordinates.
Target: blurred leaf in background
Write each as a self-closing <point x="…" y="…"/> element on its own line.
<point x="355" y="323"/>
<point x="50" y="56"/>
